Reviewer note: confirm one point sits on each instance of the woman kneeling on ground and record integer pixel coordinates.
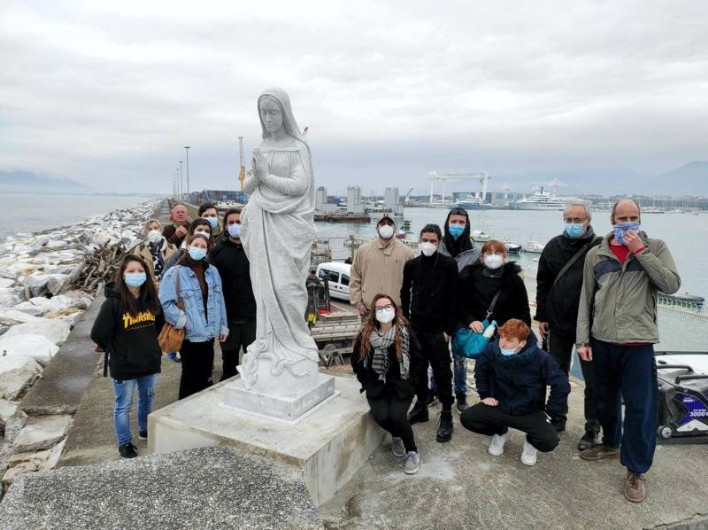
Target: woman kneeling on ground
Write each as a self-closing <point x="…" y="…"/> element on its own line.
<point x="511" y="376"/>
<point x="386" y="359"/>
<point x="127" y="327"/>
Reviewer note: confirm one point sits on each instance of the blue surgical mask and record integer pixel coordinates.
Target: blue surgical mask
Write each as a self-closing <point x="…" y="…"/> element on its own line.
<point x="197" y="254"/>
<point x="213" y="221"/>
<point x="134" y="279"/>
<point x="455" y="230"/>
<point x="234" y="230"/>
<point x="574" y="230"/>
<point x="621" y="229"/>
<point x="507" y="352"/>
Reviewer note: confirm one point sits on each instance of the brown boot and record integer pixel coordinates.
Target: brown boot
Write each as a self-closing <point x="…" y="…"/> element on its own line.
<point x="635" y="490"/>
<point x="600" y="452"/>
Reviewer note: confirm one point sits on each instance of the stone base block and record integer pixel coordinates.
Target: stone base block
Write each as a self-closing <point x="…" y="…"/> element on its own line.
<point x="327" y="445"/>
<point x="288" y="408"/>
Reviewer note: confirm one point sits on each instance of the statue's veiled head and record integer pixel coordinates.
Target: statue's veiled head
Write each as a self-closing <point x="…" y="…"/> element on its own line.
<point x="270" y="102"/>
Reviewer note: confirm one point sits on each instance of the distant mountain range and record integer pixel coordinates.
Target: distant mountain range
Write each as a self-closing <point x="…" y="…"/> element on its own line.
<point x="28" y="181"/>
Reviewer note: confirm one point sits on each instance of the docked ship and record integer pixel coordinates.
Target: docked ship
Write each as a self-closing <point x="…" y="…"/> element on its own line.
<point x="540" y="200"/>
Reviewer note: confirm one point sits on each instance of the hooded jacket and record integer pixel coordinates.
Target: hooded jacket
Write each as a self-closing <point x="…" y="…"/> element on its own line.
<point x="618" y="300"/>
<point x="477" y="290"/>
<point x="462" y="249"/>
<point x="130" y="340"/>
<point x="519" y="381"/>
<point x="557" y="301"/>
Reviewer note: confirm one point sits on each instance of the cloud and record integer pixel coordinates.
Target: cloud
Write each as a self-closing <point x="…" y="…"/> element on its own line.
<point x="109" y="92"/>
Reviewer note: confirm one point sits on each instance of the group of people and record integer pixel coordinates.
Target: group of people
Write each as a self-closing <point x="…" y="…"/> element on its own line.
<point x="194" y="275"/>
<point x="595" y="295"/>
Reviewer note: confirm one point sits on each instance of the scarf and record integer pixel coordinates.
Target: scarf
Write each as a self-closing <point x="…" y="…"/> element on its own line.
<point x="381" y="344"/>
<point x="158" y="260"/>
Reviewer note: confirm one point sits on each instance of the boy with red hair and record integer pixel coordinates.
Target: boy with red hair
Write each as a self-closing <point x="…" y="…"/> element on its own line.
<point x="511" y="376"/>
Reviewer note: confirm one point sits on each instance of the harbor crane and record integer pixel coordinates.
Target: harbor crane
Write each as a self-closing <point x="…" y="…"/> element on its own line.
<point x="433" y="176"/>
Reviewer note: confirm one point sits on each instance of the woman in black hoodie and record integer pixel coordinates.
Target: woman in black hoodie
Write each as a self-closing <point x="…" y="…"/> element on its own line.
<point x="481" y="281"/>
<point x="127" y="327"/>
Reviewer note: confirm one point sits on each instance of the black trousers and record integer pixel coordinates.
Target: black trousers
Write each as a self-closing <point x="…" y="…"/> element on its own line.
<point x="197" y="365"/>
<point x="436" y="352"/>
<point x="391" y="414"/>
<point x="484" y="419"/>
<point x="561" y="349"/>
<point x="240" y="336"/>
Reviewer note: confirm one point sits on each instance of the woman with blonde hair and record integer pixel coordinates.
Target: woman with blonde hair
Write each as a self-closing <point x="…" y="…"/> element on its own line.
<point x="387" y="362"/>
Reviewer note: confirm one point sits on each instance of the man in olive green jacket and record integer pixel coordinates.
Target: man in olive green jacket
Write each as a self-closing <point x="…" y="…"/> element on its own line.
<point x="616" y="331"/>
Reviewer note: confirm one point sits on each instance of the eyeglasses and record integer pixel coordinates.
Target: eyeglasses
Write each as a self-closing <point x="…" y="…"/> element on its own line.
<point x="387" y="307"/>
<point x="574" y="220"/>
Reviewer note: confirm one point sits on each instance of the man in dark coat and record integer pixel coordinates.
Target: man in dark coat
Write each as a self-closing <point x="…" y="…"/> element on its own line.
<point x="558" y="284"/>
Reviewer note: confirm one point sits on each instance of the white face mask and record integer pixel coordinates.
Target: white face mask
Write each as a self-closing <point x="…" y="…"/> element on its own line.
<point x="384" y="315"/>
<point x="386" y="231"/>
<point x="154" y="236"/>
<point x="493" y="261"/>
<point x="427" y="248"/>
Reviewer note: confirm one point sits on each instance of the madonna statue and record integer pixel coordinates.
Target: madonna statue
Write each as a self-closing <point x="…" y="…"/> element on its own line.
<point x="277" y="231"/>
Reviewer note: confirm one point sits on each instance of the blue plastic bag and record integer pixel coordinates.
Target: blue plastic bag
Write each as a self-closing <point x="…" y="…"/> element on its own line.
<point x="470" y="344"/>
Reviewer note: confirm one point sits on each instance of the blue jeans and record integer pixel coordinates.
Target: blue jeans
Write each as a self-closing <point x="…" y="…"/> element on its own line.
<point x="459" y="375"/>
<point x="124" y="391"/>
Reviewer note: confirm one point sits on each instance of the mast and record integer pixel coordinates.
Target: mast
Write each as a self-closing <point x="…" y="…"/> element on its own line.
<point x="242" y="172"/>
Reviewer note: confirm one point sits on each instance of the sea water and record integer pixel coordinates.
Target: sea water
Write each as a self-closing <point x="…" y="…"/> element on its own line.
<point x="685" y="234"/>
<point x="31" y="212"/>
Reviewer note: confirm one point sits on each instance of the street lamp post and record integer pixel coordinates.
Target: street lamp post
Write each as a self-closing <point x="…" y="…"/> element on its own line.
<point x="186" y="148"/>
<point x="181" y="181"/>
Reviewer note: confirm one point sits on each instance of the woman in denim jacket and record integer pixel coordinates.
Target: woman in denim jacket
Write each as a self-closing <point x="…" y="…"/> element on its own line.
<point x="204" y="315"/>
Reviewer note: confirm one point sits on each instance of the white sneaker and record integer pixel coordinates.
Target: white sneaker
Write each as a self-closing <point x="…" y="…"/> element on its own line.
<point x="412" y="464"/>
<point x="528" y="454"/>
<point x="397" y="447"/>
<point x="496" y="446"/>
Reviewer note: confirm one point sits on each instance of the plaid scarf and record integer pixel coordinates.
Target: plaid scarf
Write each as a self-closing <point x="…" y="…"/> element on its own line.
<point x="381" y="344"/>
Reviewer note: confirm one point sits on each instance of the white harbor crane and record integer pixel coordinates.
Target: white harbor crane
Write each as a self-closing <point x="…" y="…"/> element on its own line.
<point x="433" y="176"/>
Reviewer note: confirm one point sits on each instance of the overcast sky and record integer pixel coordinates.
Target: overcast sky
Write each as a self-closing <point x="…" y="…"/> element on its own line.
<point x="108" y="92"/>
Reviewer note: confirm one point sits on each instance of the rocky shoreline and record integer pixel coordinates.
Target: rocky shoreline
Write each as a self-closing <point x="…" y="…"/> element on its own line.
<point x="47" y="282"/>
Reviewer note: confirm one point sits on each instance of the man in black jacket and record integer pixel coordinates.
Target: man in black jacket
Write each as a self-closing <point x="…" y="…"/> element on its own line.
<point x="428" y="299"/>
<point x="232" y="263"/>
<point x="558" y="284"/>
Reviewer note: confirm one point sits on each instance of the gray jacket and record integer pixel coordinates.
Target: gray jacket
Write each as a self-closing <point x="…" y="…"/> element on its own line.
<point x="464" y="258"/>
<point x="618" y="301"/>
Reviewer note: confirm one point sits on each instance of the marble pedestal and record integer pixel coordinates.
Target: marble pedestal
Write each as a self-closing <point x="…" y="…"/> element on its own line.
<point x="327" y="445"/>
<point x="288" y="408"/>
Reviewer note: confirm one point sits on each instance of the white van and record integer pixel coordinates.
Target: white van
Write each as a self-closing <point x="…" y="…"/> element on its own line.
<point x="337" y="275"/>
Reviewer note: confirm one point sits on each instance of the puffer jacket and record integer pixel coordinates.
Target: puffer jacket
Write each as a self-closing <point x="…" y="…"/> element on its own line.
<point x="618" y="301"/>
<point x="519" y="381"/>
<point x="200" y="324"/>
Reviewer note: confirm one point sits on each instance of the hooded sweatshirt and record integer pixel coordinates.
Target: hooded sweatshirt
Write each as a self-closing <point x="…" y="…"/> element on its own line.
<point x="130" y="340"/>
<point x="462" y="249"/>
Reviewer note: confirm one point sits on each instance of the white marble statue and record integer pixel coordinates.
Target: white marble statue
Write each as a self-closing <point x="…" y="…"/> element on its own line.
<point x="277" y="230"/>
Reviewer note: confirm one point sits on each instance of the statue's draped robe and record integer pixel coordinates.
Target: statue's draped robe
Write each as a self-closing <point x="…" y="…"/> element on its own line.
<point x="277" y="235"/>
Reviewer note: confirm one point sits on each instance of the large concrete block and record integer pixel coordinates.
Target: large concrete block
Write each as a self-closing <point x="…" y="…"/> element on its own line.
<point x="327" y="445"/>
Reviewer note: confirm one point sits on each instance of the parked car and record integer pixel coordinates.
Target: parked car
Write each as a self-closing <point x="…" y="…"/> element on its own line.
<point x="337" y="276"/>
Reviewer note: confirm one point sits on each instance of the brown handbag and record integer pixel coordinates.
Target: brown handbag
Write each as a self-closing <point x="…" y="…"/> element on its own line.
<point x="171" y="338"/>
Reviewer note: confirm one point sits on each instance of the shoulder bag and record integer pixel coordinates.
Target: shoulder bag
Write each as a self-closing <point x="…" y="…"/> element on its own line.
<point x="471" y="344"/>
<point x="171" y="338"/>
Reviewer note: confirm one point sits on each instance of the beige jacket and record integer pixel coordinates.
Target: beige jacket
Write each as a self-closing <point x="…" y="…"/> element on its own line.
<point x="378" y="269"/>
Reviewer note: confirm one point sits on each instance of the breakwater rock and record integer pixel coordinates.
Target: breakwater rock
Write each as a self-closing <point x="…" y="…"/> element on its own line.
<point x="47" y="282"/>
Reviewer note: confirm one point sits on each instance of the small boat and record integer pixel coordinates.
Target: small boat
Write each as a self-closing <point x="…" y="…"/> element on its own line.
<point x="533" y="247"/>
<point x="512" y="248"/>
<point x="480" y="235"/>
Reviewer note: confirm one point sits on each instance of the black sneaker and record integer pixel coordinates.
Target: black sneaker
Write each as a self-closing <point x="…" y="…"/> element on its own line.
<point x="143" y="435"/>
<point x="461" y="403"/>
<point x="588" y="440"/>
<point x="127" y="451"/>
<point x="444" y="433"/>
<point x="432" y="399"/>
<point x="418" y="414"/>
